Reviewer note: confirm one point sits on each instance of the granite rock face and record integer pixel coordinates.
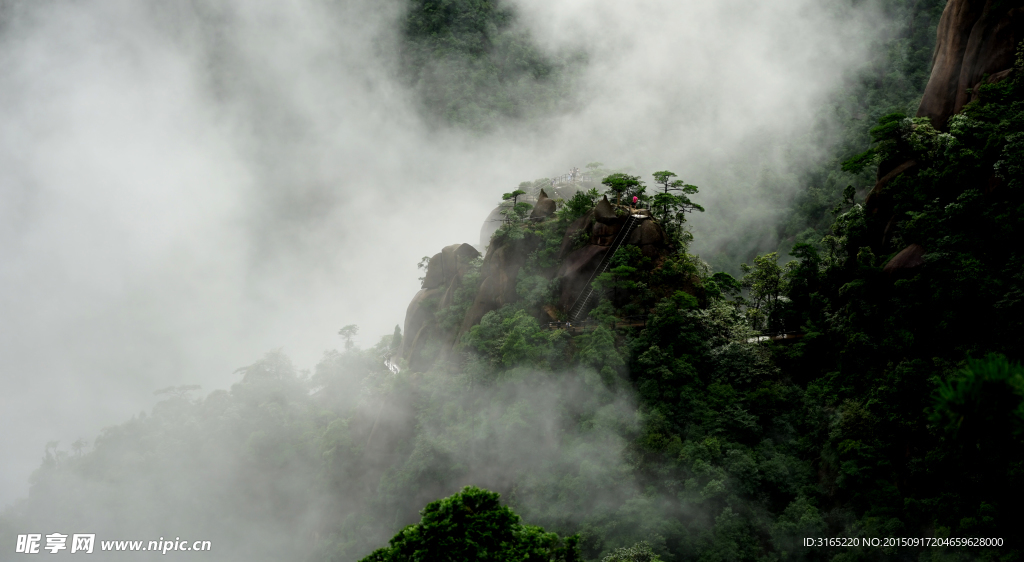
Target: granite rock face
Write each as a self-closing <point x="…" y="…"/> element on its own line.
<point x="604" y="212"/>
<point x="544" y="208"/>
<point x="905" y="262"/>
<point x="498" y="278"/>
<point x="584" y="245"/>
<point x="976" y="44"/>
<point x="445" y="274"/>
<point x="575" y="270"/>
<point x="975" y="38"/>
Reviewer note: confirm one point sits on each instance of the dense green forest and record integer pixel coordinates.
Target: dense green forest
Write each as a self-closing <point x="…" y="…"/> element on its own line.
<point x="897" y="411"/>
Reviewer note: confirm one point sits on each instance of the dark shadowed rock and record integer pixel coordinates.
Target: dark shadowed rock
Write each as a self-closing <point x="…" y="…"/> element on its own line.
<point x="648" y="232"/>
<point x="498" y="273"/>
<point x="906" y="262"/>
<point x="603" y="234"/>
<point x="488" y="297"/>
<point x="974" y="38"/>
<point x="544" y="208"/>
<point x="991" y="49"/>
<point x="650" y="238"/>
<point x="445" y="272"/>
<point x="449" y="263"/>
<point x="576" y="270"/>
<point x="604" y="212"/>
<point x="426" y="342"/>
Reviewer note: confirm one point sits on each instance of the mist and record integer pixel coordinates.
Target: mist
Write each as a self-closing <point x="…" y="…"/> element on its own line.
<point x="184" y="187"/>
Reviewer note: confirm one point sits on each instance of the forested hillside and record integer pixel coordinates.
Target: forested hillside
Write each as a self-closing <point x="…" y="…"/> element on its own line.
<point x="667" y="420"/>
<point x="892" y="82"/>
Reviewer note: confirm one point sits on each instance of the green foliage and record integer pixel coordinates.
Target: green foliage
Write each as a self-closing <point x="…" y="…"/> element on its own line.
<point x="890" y="84"/>
<point x="347" y="333"/>
<point x="725" y="284"/>
<point x="473" y="525"/>
<point x="451" y="317"/>
<point x="580" y="238"/>
<point x="514" y="195"/>
<point x="511" y="337"/>
<point x="986" y="400"/>
<point x="474" y="67"/>
<point x="515" y="213"/>
<point x="535" y="290"/>
<point x="857" y="163"/>
<point x="627" y="281"/>
<point x="423" y="263"/>
<point x="889" y="353"/>
<point x="766" y="281"/>
<point x="623" y="185"/>
<point x="639" y="552"/>
<point x="672" y="204"/>
<point x="578" y="205"/>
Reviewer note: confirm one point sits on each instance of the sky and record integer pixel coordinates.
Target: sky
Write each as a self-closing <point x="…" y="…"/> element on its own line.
<point x="184" y="187"/>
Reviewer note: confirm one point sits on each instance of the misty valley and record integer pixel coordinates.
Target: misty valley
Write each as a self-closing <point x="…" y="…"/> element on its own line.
<point x="806" y="346"/>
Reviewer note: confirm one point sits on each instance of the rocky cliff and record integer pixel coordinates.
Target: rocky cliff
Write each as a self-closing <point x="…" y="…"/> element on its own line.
<point x="425" y="338"/>
<point x="575" y="251"/>
<point x="976" y="44"/>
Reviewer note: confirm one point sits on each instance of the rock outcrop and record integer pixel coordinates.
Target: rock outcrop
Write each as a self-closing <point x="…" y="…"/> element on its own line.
<point x="650" y="237"/>
<point x="976" y="44"/>
<point x="975" y="38"/>
<point x="491" y="225"/>
<point x="498" y="278"/>
<point x="905" y="262"/>
<point x="424" y="339"/>
<point x="584" y="245"/>
<point x="604" y="212"/>
<point x="544" y="208"/>
<point x="576" y="269"/>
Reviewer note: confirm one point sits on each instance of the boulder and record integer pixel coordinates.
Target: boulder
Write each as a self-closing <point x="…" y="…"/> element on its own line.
<point x="650" y="237"/>
<point x="544" y="208"/>
<point x="498" y="278"/>
<point x="603" y="234"/>
<point x="906" y="262"/>
<point x="646" y="233"/>
<point x="449" y="263"/>
<point x="604" y="212"/>
<point x="445" y="272"/>
<point x="426" y="342"/>
<point x="576" y="270"/>
<point x="419" y="325"/>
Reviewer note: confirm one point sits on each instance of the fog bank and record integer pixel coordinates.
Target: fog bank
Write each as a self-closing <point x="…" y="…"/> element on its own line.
<point x="184" y="187"/>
